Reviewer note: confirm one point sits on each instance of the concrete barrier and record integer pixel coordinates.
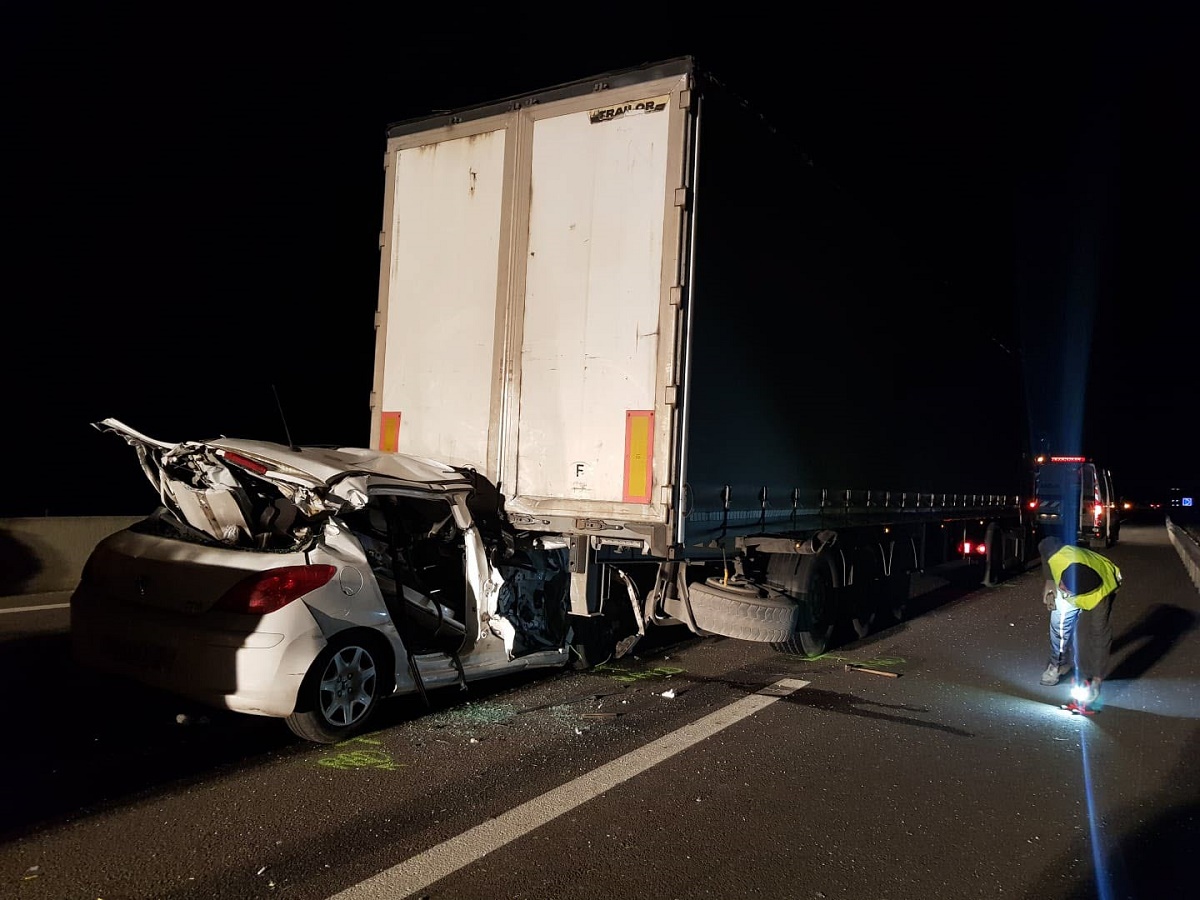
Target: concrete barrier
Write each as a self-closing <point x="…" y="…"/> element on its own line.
<point x="44" y="555"/>
<point x="1187" y="548"/>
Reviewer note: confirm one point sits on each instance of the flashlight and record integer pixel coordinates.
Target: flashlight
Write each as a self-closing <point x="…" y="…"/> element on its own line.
<point x="1079" y="692"/>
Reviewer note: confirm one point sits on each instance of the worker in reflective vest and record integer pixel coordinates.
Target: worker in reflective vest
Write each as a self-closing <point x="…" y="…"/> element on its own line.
<point x="1086" y="581"/>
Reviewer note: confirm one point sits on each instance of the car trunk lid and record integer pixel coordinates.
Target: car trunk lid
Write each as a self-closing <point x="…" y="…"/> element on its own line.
<point x="141" y="567"/>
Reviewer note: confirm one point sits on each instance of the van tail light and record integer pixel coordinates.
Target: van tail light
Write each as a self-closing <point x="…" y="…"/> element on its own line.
<point x="265" y="592"/>
<point x="1098" y="512"/>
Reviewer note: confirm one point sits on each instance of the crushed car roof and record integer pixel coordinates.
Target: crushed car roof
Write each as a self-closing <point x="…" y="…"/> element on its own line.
<point x="320" y="464"/>
<point x="329" y="464"/>
<point x="261" y="493"/>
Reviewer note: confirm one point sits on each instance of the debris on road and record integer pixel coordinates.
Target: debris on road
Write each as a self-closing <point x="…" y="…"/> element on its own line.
<point x="850" y="667"/>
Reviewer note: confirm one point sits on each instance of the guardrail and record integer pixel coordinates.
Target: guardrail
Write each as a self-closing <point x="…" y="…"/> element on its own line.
<point x="1187" y="548"/>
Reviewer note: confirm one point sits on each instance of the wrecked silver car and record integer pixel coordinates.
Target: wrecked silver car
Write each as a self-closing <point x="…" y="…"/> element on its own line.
<point x="309" y="583"/>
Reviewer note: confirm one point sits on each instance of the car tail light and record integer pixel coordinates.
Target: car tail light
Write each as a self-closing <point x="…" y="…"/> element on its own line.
<point x="238" y="460"/>
<point x="265" y="592"/>
<point x="1033" y="504"/>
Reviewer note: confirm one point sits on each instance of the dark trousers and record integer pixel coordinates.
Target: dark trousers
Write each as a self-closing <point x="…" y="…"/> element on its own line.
<point x="1093" y="640"/>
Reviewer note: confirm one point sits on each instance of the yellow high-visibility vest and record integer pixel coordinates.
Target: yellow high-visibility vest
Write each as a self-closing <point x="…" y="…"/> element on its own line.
<point x="1110" y="575"/>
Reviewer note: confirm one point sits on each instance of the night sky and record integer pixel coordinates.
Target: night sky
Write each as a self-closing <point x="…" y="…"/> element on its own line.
<point x="193" y="205"/>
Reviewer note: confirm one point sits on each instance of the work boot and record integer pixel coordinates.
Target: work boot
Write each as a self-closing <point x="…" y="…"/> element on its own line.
<point x="1054" y="672"/>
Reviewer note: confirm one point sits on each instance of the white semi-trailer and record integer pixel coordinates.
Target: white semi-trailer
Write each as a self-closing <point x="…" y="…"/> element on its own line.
<point x="633" y="306"/>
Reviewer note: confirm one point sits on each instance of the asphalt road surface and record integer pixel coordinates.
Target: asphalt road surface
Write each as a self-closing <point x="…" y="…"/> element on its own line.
<point x="668" y="774"/>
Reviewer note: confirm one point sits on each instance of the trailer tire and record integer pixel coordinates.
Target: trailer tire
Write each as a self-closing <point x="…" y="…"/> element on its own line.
<point x="817" y="608"/>
<point x="746" y="614"/>
<point x="897" y="588"/>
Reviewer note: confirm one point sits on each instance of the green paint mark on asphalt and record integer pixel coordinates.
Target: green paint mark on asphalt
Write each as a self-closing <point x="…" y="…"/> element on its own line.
<point x="361" y="759"/>
<point x="628" y="676"/>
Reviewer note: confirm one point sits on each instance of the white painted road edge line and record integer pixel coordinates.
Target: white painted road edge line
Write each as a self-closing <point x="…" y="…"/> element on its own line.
<point x="35" y="608"/>
<point x="422" y="870"/>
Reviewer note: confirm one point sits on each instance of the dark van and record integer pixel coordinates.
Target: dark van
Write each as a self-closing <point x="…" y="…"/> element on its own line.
<point x="1073" y="489"/>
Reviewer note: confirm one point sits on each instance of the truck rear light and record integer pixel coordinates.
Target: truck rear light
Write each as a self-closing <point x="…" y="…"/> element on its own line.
<point x="265" y="592"/>
<point x="1033" y="504"/>
<point x="971" y="548"/>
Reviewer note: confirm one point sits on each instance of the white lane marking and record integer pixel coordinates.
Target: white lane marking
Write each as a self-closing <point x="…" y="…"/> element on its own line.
<point x="35" y="608"/>
<point x="422" y="870"/>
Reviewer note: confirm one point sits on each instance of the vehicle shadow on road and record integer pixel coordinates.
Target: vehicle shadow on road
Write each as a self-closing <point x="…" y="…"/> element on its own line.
<point x="1151" y="638"/>
<point x="853" y="705"/>
<point x="80" y="740"/>
<point x="86" y="742"/>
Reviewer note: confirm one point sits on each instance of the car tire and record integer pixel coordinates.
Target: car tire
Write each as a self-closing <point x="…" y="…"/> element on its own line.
<point x="339" y="692"/>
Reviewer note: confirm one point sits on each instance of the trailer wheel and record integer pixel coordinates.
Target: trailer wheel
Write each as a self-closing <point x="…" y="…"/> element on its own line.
<point x="897" y="589"/>
<point x="817" y="608"/>
<point x="741" y="612"/>
<point x="861" y="598"/>
<point x="905" y="559"/>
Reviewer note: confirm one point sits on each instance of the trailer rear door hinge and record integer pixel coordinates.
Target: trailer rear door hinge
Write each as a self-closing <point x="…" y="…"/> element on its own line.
<point x="669" y="394"/>
<point x="676" y="295"/>
<point x="681" y="197"/>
